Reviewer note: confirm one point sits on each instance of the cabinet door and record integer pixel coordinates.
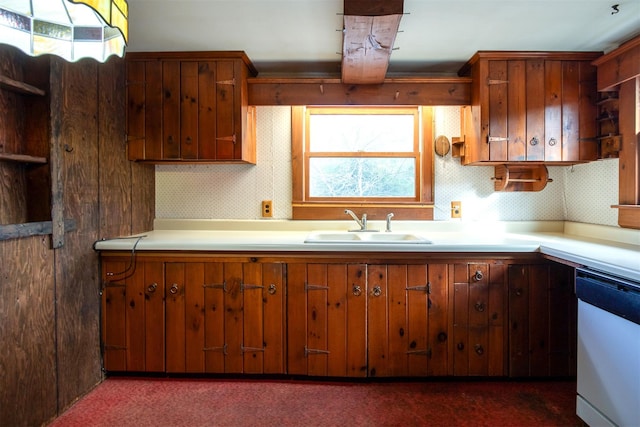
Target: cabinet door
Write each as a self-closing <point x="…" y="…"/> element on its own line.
<point x="579" y="111"/>
<point x="133" y="316"/>
<point x="570" y="111"/>
<point x="326" y="315"/>
<point x="407" y="333"/>
<point x="542" y="314"/>
<point x="114" y="324"/>
<point x="479" y="307"/>
<point x="263" y="318"/>
<point x="204" y="317"/>
<point x="223" y="317"/>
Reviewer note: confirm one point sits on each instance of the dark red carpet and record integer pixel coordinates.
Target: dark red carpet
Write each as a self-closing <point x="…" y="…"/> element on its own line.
<point x="222" y="402"/>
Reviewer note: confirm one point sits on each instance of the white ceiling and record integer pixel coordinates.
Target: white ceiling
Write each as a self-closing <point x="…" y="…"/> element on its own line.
<point x="437" y="37"/>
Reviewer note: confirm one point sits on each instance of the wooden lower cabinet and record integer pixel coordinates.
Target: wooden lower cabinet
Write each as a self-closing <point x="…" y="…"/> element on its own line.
<point x="349" y="317"/>
<point x="326" y="319"/>
<point x="359" y="320"/>
<point x="194" y="317"/>
<point x="479" y="311"/>
<point x="542" y="320"/>
<point x="133" y="316"/>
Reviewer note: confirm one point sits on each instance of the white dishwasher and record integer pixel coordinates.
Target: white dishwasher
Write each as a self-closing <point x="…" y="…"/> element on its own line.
<point x="608" y="375"/>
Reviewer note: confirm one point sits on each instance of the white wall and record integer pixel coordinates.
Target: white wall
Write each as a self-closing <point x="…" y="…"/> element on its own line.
<point x="582" y="193"/>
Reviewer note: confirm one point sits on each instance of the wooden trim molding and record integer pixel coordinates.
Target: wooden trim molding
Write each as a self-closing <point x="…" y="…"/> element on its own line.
<point x="619" y="70"/>
<point x="419" y="209"/>
<point x="331" y="91"/>
<point x="619" y="65"/>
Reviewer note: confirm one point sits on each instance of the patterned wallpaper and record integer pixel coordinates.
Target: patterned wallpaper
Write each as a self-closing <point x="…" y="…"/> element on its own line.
<point x="582" y="193"/>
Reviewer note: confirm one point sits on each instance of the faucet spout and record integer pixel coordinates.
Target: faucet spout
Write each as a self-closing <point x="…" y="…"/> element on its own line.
<point x="361" y="223"/>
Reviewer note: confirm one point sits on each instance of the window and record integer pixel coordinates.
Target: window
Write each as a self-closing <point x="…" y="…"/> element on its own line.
<point x="374" y="160"/>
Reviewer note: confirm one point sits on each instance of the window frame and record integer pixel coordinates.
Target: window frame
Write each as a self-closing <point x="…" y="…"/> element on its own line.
<point x="418" y="208"/>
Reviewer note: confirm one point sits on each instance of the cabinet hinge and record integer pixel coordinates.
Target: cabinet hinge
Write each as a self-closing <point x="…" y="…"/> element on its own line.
<point x="496" y="81"/>
<point x="496" y="139"/>
<point x="426" y="352"/>
<point x="308" y="287"/>
<point x="222" y="286"/>
<point x="308" y="351"/>
<point x="426" y="288"/>
<point x="250" y="349"/>
<point x="222" y="349"/>
<point x="115" y="347"/>
<point x="227" y="82"/>
<point x="244" y="286"/>
<point x="231" y="138"/>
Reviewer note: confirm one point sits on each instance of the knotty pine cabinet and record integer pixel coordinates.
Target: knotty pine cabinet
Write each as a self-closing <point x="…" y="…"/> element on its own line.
<point x="189" y="107"/>
<point x="479" y="319"/>
<point x="338" y="316"/>
<point x="377" y="320"/>
<point x="542" y="320"/>
<point x="531" y="107"/>
<point x="193" y="316"/>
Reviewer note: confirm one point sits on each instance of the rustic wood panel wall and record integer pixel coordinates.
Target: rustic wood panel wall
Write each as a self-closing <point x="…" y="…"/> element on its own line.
<point x="49" y="299"/>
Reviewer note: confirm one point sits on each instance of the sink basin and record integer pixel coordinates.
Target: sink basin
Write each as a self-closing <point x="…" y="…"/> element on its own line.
<point x="364" y="237"/>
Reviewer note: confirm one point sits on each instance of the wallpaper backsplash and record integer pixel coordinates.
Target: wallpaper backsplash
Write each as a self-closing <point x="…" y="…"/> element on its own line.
<point x="582" y="193"/>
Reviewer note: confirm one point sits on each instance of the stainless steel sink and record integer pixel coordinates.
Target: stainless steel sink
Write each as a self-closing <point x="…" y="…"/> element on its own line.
<point x="351" y="237"/>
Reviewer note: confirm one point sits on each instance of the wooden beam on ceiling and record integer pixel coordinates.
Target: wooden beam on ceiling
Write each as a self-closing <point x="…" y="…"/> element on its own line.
<point x="366" y="47"/>
<point x="373" y="7"/>
<point x="369" y="33"/>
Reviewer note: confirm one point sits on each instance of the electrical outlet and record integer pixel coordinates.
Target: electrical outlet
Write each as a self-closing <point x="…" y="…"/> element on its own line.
<point x="267" y="208"/>
<point x="456" y="209"/>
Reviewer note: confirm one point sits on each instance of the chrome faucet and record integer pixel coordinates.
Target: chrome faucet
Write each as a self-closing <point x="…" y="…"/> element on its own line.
<point x="361" y="222"/>
<point x="389" y="216"/>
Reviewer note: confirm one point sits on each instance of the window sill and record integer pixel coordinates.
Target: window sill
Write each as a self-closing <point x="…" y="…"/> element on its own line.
<point x="375" y="211"/>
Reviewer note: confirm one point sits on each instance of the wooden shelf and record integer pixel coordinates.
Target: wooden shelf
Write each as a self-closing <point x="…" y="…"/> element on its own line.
<point x="20" y="87"/>
<point x="22" y="158"/>
<point x="607" y="99"/>
<point x="457" y="147"/>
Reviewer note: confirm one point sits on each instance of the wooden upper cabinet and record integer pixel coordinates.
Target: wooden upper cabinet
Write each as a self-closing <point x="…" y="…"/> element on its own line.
<point x="189" y="107"/>
<point x="531" y="107"/>
<point x="619" y="71"/>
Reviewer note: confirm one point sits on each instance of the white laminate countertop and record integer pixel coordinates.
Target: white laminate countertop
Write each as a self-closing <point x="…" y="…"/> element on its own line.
<point x="610" y="249"/>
